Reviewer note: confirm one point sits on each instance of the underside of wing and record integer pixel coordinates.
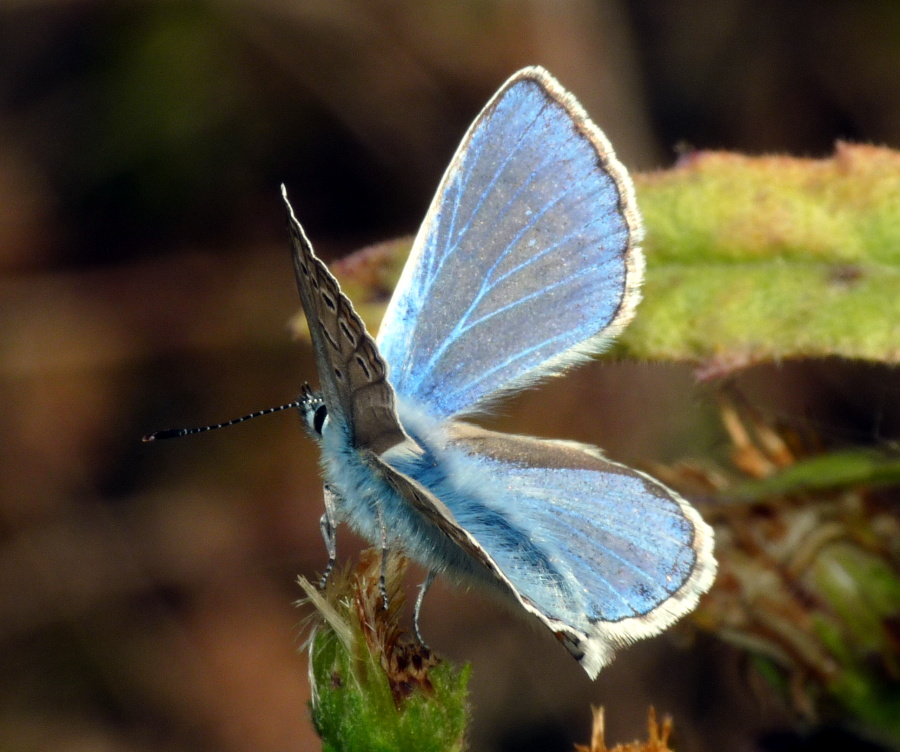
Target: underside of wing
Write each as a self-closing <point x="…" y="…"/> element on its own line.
<point x="527" y="260"/>
<point x="630" y="555"/>
<point x="352" y="373"/>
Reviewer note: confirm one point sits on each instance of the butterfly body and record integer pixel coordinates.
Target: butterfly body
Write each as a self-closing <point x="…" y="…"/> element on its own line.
<point x="368" y="502"/>
<point x="527" y="263"/>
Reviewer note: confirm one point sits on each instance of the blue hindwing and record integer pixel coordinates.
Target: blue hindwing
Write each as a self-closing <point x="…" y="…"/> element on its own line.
<point x="602" y="548"/>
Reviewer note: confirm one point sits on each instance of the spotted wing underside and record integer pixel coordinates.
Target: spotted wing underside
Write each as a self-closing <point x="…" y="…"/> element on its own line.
<point x="352" y="374"/>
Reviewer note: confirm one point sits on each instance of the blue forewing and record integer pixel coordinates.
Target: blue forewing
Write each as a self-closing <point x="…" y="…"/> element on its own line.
<point x="527" y="260"/>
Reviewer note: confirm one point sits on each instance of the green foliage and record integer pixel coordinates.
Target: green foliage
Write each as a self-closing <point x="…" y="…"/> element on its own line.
<point x="355" y="709"/>
<point x="824" y="472"/>
<point x="374" y="688"/>
<point x="864" y="593"/>
<point x="808" y="582"/>
<point x="754" y="259"/>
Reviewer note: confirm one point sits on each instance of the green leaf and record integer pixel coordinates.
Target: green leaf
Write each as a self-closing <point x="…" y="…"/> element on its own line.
<point x="824" y="472"/>
<point x="753" y="259"/>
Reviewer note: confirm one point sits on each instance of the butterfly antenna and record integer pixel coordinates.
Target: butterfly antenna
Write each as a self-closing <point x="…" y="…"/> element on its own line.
<point x="172" y="433"/>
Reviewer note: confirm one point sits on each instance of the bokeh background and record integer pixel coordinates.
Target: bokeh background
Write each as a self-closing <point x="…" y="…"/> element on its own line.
<point x="147" y="591"/>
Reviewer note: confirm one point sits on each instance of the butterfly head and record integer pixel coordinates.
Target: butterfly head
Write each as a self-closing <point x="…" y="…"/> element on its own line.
<point x="313" y="411"/>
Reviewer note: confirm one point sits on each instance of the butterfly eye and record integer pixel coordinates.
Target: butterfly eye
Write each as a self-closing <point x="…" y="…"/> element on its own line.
<point x="319" y="418"/>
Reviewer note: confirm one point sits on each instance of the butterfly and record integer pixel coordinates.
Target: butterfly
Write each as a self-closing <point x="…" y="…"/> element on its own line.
<point x="527" y="263"/>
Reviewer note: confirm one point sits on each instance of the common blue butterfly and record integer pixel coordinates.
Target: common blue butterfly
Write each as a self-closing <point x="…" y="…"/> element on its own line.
<point x="526" y="264"/>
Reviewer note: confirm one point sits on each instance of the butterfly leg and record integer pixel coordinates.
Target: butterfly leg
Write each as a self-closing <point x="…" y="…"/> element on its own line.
<point x="327" y="526"/>
<point x="423" y="588"/>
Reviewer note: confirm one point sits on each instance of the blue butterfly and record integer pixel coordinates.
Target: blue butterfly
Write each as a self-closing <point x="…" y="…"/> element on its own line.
<point x="527" y="263"/>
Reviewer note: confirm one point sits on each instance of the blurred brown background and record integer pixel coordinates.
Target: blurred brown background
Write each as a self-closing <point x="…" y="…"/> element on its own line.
<point x="146" y="591"/>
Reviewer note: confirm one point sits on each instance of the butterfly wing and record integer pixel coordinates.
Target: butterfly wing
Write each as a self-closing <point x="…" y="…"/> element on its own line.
<point x="438" y="514"/>
<point x="602" y="549"/>
<point x="527" y="260"/>
<point x="351" y="372"/>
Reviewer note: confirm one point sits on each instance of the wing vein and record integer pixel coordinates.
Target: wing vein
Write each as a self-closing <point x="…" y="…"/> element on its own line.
<point x="462" y="326"/>
<point x="454" y="244"/>
<point x="518" y="301"/>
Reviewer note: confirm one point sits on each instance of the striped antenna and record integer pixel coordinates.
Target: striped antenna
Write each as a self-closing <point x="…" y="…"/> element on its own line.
<point x="172" y="433"/>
